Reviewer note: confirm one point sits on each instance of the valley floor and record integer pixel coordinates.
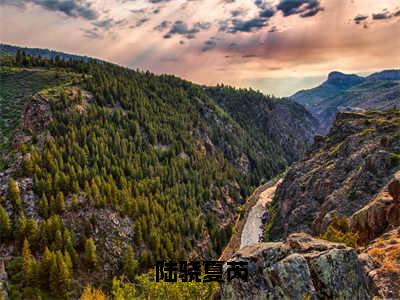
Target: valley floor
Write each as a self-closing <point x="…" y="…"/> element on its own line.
<point x="253" y="230"/>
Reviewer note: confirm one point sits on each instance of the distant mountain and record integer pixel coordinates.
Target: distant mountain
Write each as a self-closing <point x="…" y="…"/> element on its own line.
<point x="45" y="53"/>
<point x="386" y="75"/>
<point x="343" y="92"/>
<point x="336" y="83"/>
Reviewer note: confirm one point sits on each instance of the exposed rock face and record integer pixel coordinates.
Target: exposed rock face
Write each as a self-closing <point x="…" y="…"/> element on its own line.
<point x="377" y="216"/>
<point x="394" y="189"/>
<point x="353" y="163"/>
<point x="300" y="268"/>
<point x="382" y="257"/>
<point x="36" y="115"/>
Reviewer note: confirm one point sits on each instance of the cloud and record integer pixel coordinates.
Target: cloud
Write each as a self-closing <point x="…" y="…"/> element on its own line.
<point x="162" y="26"/>
<point x="382" y="15"/>
<point x="181" y="28"/>
<point x="273" y="29"/>
<point x="208" y="45"/>
<point x="238" y="12"/>
<point x="91" y="33"/>
<point x="306" y="8"/>
<point x="158" y="1"/>
<point x="71" y="8"/>
<point x="247" y="26"/>
<point x="359" y="18"/>
<point x="105" y="24"/>
<point x="267" y="13"/>
<point x="237" y="25"/>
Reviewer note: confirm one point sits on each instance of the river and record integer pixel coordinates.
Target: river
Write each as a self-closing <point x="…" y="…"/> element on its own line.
<point x="253" y="228"/>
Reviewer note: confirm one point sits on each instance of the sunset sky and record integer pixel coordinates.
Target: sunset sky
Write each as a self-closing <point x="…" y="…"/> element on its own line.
<point x="277" y="46"/>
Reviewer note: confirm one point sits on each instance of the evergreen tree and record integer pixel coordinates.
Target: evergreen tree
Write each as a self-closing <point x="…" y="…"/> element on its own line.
<point x="44" y="207"/>
<point x="129" y="264"/>
<point x="60" y="203"/>
<point x="20" y="227"/>
<point x="28" y="262"/>
<point x="5" y="223"/>
<point x="74" y="202"/>
<point x="64" y="277"/>
<point x="31" y="230"/>
<point x="45" y="267"/>
<point x="28" y="166"/>
<point x="13" y="193"/>
<point x="90" y="256"/>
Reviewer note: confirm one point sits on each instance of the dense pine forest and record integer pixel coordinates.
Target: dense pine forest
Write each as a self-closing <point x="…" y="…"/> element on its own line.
<point x="112" y="169"/>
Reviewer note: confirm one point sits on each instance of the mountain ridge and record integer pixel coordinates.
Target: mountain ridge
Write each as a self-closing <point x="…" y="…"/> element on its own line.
<point x="341" y="92"/>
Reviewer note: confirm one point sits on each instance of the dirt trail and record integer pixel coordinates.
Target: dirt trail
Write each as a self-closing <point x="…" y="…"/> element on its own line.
<point x="252" y="230"/>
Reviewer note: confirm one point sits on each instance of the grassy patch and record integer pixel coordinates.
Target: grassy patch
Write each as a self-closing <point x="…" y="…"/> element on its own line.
<point x="335" y="149"/>
<point x="268" y="226"/>
<point x="17" y="85"/>
<point x="365" y="132"/>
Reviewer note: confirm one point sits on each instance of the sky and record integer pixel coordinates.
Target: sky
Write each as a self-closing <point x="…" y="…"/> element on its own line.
<point x="276" y="46"/>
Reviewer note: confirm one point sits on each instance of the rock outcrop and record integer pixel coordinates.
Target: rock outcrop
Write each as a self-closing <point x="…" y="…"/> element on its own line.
<point x="352" y="165"/>
<point x="300" y="268"/>
<point x="380" y="214"/>
<point x="382" y="257"/>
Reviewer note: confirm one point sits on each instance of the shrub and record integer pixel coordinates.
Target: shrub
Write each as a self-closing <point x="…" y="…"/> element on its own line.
<point x="339" y="232"/>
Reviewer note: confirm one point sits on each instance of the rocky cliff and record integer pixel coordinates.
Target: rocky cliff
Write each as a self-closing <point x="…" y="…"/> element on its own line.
<point x="341" y="175"/>
<point x="300" y="268"/>
<point x="353" y="172"/>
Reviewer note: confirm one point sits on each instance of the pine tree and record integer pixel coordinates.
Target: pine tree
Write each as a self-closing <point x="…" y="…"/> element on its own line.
<point x="129" y="264"/>
<point x="74" y="202"/>
<point x="45" y="267"/>
<point x="60" y="203"/>
<point x="5" y="223"/>
<point x="58" y="241"/>
<point x="90" y="256"/>
<point x="28" y="166"/>
<point x="44" y="207"/>
<point x="68" y="261"/>
<point x="31" y="230"/>
<point x="53" y="275"/>
<point x="64" y="276"/>
<point x="13" y="193"/>
<point x="20" y="227"/>
<point x="27" y="265"/>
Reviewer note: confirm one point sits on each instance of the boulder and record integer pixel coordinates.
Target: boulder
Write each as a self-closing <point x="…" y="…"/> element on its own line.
<point x="303" y="267"/>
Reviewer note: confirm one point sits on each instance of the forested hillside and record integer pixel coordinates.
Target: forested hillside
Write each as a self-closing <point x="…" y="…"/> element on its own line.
<point x="266" y="120"/>
<point x="111" y="169"/>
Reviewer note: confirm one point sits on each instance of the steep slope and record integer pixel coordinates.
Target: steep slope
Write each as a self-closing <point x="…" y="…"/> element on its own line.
<point x="273" y="122"/>
<point x="346" y="191"/>
<point x="341" y="175"/>
<point x="17" y="85"/>
<point x="351" y="93"/>
<point x="116" y="162"/>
